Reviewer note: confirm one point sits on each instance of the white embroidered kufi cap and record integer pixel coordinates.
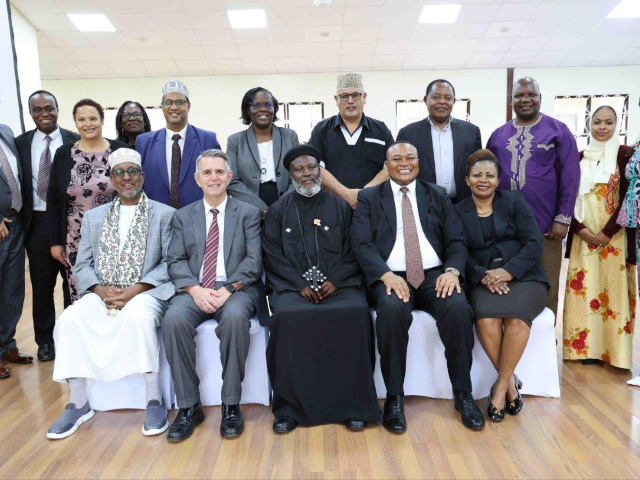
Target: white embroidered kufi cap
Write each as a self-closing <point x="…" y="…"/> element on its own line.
<point x="350" y="80"/>
<point x="124" y="155"/>
<point x="175" y="86"/>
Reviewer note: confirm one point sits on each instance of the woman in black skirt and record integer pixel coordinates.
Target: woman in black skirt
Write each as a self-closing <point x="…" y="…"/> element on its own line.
<point x="507" y="285"/>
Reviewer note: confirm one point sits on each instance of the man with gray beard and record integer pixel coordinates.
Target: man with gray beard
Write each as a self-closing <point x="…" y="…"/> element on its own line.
<point x="320" y="312"/>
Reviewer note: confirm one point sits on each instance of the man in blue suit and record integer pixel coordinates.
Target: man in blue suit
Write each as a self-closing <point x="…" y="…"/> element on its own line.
<point x="169" y="154"/>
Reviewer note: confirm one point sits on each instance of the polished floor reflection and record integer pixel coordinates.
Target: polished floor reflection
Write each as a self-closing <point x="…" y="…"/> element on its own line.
<point x="593" y="431"/>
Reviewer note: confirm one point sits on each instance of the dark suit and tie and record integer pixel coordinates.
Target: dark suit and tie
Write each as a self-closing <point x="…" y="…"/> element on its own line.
<point x="466" y="140"/>
<point x="408" y="228"/>
<point x="11" y="248"/>
<point x="213" y="249"/>
<point x="36" y="153"/>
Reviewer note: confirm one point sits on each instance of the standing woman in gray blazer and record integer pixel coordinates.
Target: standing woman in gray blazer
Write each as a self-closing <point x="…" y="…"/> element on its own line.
<point x="256" y="154"/>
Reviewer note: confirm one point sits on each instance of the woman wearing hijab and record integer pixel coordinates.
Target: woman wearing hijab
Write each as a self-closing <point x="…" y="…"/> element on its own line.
<point x="601" y="283"/>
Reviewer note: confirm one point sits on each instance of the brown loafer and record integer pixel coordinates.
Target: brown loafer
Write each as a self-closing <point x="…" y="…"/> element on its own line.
<point x="4" y="371"/>
<point x="14" y="356"/>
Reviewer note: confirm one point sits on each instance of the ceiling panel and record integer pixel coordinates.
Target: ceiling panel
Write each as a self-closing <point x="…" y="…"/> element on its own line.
<point x="164" y="37"/>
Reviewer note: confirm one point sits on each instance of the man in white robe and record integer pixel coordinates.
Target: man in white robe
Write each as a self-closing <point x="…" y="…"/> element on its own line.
<point x="121" y="270"/>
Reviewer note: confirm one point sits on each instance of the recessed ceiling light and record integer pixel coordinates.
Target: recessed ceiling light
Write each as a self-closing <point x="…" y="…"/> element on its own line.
<point x="91" y="22"/>
<point x="439" y="13"/>
<point x="626" y="9"/>
<point x="256" y="18"/>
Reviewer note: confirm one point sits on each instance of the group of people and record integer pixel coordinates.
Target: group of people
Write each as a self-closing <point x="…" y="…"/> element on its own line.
<point x="163" y="228"/>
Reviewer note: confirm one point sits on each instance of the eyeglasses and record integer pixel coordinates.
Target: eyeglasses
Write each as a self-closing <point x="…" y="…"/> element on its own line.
<point x="127" y="116"/>
<point x="39" y="110"/>
<point x="344" y="97"/>
<point x="258" y="105"/>
<point x="131" y="171"/>
<point x="177" y="103"/>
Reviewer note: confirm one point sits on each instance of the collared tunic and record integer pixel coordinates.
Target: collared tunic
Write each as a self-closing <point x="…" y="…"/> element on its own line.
<point x="354" y="159"/>
<point x="320" y="356"/>
<point x="541" y="160"/>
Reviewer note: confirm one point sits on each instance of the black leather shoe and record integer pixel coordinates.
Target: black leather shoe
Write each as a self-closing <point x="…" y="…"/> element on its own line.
<point x="355" y="425"/>
<point x="186" y="420"/>
<point x="514" y="407"/>
<point x="284" y="424"/>
<point x="495" y="414"/>
<point x="469" y="412"/>
<point x="232" y="424"/>
<point x="393" y="417"/>
<point x="46" y="352"/>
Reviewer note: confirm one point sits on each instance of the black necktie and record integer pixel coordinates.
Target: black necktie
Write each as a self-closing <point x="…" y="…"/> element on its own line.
<point x="176" y="159"/>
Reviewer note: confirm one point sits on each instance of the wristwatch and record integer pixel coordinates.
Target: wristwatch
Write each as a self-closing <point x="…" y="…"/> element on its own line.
<point x="230" y="288"/>
<point x="452" y="270"/>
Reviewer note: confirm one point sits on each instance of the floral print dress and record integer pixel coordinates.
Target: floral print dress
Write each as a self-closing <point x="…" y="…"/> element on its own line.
<point x="89" y="187"/>
<point x="599" y="307"/>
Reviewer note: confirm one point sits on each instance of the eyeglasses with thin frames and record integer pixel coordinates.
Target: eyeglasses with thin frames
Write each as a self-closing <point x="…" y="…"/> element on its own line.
<point x="178" y="103"/>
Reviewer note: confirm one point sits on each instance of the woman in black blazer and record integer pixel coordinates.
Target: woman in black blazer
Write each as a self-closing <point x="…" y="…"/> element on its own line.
<point x="79" y="181"/>
<point x="256" y="154"/>
<point x="507" y="285"/>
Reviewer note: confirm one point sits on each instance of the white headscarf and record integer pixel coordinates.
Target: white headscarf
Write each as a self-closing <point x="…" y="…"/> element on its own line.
<point x="597" y="166"/>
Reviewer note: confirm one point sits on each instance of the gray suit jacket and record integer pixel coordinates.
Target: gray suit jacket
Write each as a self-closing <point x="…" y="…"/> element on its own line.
<point x="5" y="192"/>
<point x="242" y="249"/>
<point x="154" y="269"/>
<point x="244" y="156"/>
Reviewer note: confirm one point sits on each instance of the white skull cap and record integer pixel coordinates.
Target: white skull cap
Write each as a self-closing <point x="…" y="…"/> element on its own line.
<point x="175" y="86"/>
<point x="124" y="155"/>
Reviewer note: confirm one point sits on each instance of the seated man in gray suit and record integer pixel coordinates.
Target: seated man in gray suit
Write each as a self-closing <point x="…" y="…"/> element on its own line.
<point x="121" y="272"/>
<point x="215" y="263"/>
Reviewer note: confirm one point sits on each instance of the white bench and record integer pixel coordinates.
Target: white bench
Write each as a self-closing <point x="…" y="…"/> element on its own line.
<point x="427" y="374"/>
<point x="130" y="392"/>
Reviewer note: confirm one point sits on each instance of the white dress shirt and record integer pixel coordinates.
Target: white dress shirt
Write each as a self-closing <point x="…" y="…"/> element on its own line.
<point x="221" y="272"/>
<point x="442" y="141"/>
<point x="169" y="145"/>
<point x="397" y="260"/>
<point x="124" y="223"/>
<point x="13" y="161"/>
<point x="37" y="147"/>
<point x="265" y="149"/>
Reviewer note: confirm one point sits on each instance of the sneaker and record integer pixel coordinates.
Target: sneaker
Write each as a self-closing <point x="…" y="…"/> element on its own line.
<point x="155" y="421"/>
<point x="69" y="421"/>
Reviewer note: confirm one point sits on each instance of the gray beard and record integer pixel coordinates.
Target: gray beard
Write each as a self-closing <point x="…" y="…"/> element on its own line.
<point x="308" y="191"/>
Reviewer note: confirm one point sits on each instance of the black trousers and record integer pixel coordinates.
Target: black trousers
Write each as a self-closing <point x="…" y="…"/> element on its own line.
<point x="43" y="270"/>
<point x="454" y="319"/>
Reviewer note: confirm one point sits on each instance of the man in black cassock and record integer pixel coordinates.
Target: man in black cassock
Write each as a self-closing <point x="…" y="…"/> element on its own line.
<point x="320" y="353"/>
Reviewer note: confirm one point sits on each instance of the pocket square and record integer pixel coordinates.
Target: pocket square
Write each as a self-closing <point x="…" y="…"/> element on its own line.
<point x="374" y="140"/>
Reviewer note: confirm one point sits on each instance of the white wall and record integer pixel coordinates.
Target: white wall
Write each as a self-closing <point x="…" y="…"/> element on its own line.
<point x="216" y="99"/>
<point x="26" y="42"/>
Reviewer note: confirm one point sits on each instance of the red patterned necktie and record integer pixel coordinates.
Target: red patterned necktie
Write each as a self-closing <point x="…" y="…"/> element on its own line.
<point x="413" y="256"/>
<point x="176" y="160"/>
<point x="44" y="170"/>
<point x="16" y="196"/>
<point x="211" y="254"/>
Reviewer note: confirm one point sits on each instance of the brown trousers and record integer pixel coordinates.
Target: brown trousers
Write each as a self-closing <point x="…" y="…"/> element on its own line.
<point x="551" y="260"/>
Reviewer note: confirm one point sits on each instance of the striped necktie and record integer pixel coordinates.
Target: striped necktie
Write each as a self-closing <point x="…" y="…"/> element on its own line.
<point x="44" y="170"/>
<point x="16" y="198"/>
<point x="210" y="264"/>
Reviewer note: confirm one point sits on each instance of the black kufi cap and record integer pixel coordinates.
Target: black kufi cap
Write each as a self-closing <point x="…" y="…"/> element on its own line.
<point x="300" y="150"/>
